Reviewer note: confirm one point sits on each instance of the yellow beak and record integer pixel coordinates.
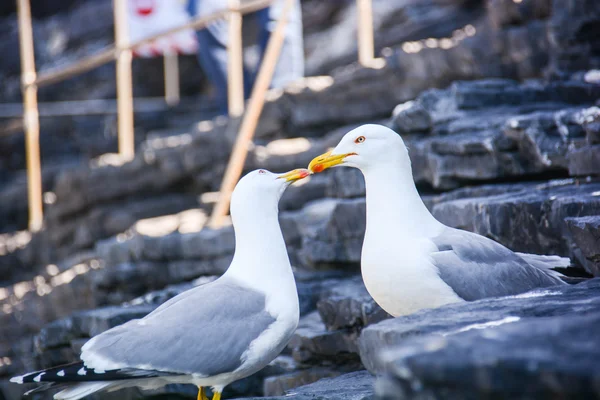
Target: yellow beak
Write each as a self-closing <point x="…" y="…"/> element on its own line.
<point x="324" y="161"/>
<point x="294" y="175"/>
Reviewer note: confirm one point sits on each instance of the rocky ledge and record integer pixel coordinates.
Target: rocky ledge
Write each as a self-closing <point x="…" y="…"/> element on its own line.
<point x="542" y="344"/>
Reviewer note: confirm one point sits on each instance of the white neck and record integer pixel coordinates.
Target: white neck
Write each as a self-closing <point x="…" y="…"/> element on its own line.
<point x="260" y="259"/>
<point x="393" y="201"/>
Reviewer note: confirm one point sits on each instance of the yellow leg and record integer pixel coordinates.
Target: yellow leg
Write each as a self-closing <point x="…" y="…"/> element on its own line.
<point x="201" y="394"/>
<point x="216" y="395"/>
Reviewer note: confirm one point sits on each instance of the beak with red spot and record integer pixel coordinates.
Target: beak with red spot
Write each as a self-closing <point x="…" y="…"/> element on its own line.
<point x="325" y="161"/>
<point x="294" y="175"/>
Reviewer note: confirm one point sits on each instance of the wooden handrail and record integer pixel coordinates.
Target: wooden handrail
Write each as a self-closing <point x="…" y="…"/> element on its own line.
<point x="31" y="119"/>
<point x="124" y="82"/>
<point x="250" y="119"/>
<point x="366" y="45"/>
<point x="111" y="53"/>
<point x="235" y="62"/>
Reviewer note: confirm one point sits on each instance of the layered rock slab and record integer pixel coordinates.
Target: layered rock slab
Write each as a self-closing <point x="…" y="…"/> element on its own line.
<point x="536" y="345"/>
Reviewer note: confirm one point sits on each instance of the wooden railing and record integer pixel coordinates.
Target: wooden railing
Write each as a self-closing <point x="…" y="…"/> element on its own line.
<point x="122" y="51"/>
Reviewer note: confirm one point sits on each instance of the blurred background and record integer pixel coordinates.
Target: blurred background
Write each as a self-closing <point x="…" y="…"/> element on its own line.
<point x="498" y="101"/>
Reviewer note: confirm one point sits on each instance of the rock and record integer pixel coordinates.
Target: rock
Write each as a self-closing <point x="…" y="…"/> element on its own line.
<point x="349" y="305"/>
<point x="585" y="233"/>
<point x="332" y="231"/>
<point x="296" y="196"/>
<point x="278" y="385"/>
<point x="312" y="343"/>
<point x="411" y="117"/>
<point x="544" y="137"/>
<point x="346" y="183"/>
<point x="394" y="23"/>
<point x="56" y="334"/>
<point x="584" y="161"/>
<point x="312" y="284"/>
<point x="544" y="311"/>
<point x="508" y="13"/>
<point x="523" y="360"/>
<point x="525" y="217"/>
<point x="496" y="128"/>
<point x="351" y="386"/>
<point x="570" y="33"/>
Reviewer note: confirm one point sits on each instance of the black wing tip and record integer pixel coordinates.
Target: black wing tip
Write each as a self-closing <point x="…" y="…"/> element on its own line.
<point x="46" y="375"/>
<point x="77" y="372"/>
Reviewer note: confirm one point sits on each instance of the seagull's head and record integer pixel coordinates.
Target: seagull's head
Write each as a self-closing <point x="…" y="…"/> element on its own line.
<point x="364" y="147"/>
<point x="262" y="187"/>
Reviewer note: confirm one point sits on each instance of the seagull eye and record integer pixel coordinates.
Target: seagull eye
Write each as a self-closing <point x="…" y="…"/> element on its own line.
<point x="360" y="139"/>
<point x="261" y="171"/>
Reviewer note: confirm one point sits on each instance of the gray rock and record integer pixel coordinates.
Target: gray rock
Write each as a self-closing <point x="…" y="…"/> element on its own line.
<point x="346" y="183"/>
<point x="296" y="196"/>
<point x="208" y="243"/>
<point x="508" y="13"/>
<point x="570" y="46"/>
<point x="544" y="137"/>
<point x="312" y="343"/>
<point x="349" y="305"/>
<point x="551" y="306"/>
<point x="56" y="334"/>
<point x="585" y="233"/>
<point x="351" y="386"/>
<point x="522" y="360"/>
<point x="411" y="117"/>
<point x="394" y="23"/>
<point x="278" y="385"/>
<point x="497" y="128"/>
<point x="529" y="220"/>
<point x="332" y="231"/>
<point x="311" y="285"/>
<point x="584" y="161"/>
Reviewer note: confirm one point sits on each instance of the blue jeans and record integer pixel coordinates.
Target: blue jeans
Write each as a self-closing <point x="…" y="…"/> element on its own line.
<point x="212" y="43"/>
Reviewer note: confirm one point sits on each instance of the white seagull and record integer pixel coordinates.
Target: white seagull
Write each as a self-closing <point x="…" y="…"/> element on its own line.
<point x="211" y="335"/>
<point x="411" y="261"/>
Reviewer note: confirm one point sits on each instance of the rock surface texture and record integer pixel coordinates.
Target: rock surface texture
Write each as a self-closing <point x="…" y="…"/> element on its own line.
<point x="536" y="345"/>
<point x="498" y="102"/>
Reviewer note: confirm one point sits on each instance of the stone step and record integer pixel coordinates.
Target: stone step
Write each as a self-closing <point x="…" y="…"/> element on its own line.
<point x="534" y="345"/>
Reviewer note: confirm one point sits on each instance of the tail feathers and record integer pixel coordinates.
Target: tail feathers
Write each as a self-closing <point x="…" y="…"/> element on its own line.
<point x="77" y="372"/>
<point x="547" y="263"/>
<point x="81" y="390"/>
<point x="63" y="373"/>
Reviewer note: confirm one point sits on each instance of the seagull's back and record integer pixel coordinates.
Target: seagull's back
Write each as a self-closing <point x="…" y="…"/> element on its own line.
<point x="476" y="267"/>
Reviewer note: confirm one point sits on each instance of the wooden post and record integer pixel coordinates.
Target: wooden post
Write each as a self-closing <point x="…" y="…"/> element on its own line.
<point x="171" y="64"/>
<point x="31" y="120"/>
<point x="124" y="82"/>
<point x="366" y="48"/>
<point x="250" y="120"/>
<point x="235" y="63"/>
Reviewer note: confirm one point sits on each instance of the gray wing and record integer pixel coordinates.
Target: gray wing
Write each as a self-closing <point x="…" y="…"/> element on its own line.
<point x="476" y="267"/>
<point x="204" y="330"/>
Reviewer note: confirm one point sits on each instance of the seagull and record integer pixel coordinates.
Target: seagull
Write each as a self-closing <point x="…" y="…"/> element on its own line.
<point x="411" y="261"/>
<point x="211" y="335"/>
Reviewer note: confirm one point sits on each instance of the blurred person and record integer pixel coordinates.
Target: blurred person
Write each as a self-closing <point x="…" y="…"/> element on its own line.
<point x="212" y="44"/>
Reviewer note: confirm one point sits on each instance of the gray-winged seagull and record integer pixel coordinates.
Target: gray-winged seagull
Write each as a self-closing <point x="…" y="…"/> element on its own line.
<point x="411" y="261"/>
<point x="211" y="335"/>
